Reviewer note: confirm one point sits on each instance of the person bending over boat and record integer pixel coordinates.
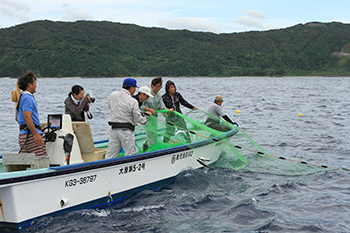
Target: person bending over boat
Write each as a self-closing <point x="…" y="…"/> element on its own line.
<point x="153" y="103"/>
<point x="156" y="102"/>
<point x="172" y="100"/>
<point x="30" y="135"/>
<point x="77" y="103"/>
<point x="124" y="111"/>
<point x="142" y="96"/>
<point x="216" y="110"/>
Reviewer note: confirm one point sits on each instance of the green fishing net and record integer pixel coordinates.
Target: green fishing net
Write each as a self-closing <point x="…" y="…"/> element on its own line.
<point x="167" y="129"/>
<point x="261" y="161"/>
<point x="238" y="151"/>
<point x="241" y="148"/>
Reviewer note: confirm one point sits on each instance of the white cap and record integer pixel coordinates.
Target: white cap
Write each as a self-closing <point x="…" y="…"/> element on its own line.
<point x="146" y="90"/>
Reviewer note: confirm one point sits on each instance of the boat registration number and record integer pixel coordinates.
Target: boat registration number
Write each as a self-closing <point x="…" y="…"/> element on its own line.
<point x="180" y="156"/>
<point x="132" y="168"/>
<point x="80" y="180"/>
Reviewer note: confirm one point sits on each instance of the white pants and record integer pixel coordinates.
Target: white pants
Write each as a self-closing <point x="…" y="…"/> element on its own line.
<point x="118" y="138"/>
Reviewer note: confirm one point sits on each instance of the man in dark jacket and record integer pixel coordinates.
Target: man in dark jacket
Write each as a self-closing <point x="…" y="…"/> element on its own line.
<point x="172" y="100"/>
<point x="142" y="96"/>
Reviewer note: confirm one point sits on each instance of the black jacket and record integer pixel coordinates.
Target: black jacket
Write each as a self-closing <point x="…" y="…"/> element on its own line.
<point x="138" y="99"/>
<point x="174" y="102"/>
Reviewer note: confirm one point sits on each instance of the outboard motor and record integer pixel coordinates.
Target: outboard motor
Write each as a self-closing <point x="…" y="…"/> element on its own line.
<point x="67" y="145"/>
<point x="66" y="151"/>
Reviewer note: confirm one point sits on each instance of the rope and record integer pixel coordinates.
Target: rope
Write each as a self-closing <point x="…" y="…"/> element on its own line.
<point x="242" y="148"/>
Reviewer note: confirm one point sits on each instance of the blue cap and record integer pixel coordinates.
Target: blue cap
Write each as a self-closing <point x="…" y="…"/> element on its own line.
<point x="130" y="82"/>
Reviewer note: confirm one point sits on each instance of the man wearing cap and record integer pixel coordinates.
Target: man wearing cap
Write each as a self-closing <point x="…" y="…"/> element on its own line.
<point x="124" y="112"/>
<point x="153" y="103"/>
<point x="30" y="135"/>
<point x="216" y="111"/>
<point x="142" y="96"/>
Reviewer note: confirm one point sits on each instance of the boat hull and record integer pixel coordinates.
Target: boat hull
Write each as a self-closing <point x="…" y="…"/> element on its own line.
<point x="97" y="184"/>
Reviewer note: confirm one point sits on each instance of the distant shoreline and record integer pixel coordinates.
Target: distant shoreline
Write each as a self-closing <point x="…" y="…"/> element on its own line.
<point x="313" y="76"/>
<point x="105" y="49"/>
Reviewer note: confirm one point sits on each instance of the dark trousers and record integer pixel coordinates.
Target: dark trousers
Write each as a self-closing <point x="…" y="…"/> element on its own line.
<point x="211" y="123"/>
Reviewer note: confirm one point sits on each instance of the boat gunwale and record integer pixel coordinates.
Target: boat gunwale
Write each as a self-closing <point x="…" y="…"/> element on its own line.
<point x="86" y="166"/>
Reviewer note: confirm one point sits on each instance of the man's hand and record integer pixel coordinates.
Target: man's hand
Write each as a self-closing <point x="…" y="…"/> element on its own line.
<point x="38" y="139"/>
<point x="151" y="110"/>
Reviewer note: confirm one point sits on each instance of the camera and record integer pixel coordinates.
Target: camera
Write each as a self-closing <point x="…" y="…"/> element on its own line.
<point x="91" y="99"/>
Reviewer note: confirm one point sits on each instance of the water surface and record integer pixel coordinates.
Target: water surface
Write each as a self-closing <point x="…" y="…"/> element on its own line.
<point x="220" y="199"/>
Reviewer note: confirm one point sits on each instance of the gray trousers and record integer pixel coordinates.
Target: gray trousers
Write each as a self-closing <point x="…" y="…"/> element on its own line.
<point x="118" y="138"/>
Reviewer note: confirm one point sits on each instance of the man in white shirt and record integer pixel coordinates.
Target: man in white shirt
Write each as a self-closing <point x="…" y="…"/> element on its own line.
<point x="124" y="112"/>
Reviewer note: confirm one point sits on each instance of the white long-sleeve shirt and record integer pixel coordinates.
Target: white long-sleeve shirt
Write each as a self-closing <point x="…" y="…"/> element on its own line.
<point x="124" y="108"/>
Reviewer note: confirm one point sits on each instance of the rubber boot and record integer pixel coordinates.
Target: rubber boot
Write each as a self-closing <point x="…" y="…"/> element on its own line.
<point x="166" y="139"/>
<point x="145" y="147"/>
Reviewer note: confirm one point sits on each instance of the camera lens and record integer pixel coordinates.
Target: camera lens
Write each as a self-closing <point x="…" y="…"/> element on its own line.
<point x="92" y="100"/>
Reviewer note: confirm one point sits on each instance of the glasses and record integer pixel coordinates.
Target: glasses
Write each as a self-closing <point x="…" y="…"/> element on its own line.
<point x="158" y="86"/>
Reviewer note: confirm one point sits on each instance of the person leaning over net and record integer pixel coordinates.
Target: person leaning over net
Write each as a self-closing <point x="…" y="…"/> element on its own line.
<point x="172" y="100"/>
<point x="143" y="95"/>
<point x="153" y="103"/>
<point x="215" y="109"/>
<point x="124" y="111"/>
<point x="77" y="103"/>
<point x="30" y="135"/>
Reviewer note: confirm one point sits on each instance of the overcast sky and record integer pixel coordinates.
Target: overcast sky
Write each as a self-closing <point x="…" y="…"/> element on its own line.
<point x="218" y="16"/>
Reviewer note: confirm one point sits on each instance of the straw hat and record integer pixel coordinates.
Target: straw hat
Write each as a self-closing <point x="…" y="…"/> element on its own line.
<point x="15" y="95"/>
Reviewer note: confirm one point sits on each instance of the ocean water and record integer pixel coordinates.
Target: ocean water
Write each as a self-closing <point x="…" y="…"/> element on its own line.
<point x="221" y="199"/>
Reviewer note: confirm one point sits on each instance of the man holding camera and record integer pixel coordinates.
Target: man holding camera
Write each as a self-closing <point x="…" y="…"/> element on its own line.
<point x="77" y="103"/>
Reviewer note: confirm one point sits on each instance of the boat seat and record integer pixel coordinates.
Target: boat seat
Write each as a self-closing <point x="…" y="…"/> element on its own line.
<point x="87" y="148"/>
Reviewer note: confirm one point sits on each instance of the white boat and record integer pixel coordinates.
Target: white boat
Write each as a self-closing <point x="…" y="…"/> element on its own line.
<point x="51" y="187"/>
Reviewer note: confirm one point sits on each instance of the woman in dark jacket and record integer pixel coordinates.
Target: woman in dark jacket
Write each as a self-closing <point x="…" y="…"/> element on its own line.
<point x="77" y="103"/>
<point x="172" y="100"/>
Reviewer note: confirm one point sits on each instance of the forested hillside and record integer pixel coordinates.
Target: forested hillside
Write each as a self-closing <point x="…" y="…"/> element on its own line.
<point x="106" y="49"/>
